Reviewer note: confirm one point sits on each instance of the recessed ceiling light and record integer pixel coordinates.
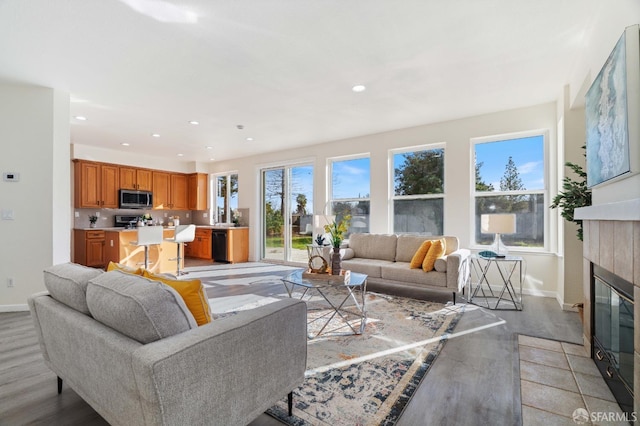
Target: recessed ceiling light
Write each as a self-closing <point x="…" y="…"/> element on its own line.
<point x="124" y="144"/>
<point x="80" y="117"/>
<point x="195" y="123"/>
<point x="212" y="159"/>
<point x="209" y="147"/>
<point x="249" y="139"/>
<point x="358" y="88"/>
<point x="155" y="135"/>
<point x="180" y="155"/>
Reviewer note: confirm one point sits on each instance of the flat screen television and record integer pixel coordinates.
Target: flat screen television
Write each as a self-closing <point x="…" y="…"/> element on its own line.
<point x="612" y="109"/>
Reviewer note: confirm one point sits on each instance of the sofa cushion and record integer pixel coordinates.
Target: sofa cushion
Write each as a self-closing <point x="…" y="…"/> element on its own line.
<point x="138" y="307"/>
<point x="370" y="267"/>
<point x="374" y="246"/>
<point x="67" y="283"/>
<point x="418" y="257"/>
<point x="437" y="249"/>
<point x="193" y="294"/>
<point x="441" y="264"/>
<point x="113" y="266"/>
<point x="400" y="271"/>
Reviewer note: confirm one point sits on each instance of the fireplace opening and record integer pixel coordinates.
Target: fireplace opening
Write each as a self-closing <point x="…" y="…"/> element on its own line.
<point x="612" y="325"/>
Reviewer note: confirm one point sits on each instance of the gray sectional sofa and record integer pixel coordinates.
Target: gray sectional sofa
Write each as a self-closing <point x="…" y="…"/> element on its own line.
<point x="385" y="259"/>
<point x="132" y="350"/>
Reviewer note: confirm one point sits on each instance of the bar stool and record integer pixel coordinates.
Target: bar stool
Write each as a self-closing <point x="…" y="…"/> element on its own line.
<point x="183" y="234"/>
<point x="148" y="236"/>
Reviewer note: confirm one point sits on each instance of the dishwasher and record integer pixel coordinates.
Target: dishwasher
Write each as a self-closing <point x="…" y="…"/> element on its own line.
<point x="219" y="245"/>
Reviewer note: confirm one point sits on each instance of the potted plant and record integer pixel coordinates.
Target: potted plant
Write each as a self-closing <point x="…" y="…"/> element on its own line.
<point x="336" y="232"/>
<point x="575" y="194"/>
<point x="92" y="220"/>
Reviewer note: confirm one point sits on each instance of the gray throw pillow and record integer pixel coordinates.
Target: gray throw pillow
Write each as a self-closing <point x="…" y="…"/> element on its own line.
<point x="67" y="283"/>
<point x="140" y="308"/>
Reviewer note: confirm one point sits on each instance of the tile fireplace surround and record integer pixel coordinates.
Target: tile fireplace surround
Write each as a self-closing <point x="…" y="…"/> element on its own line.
<point x="612" y="241"/>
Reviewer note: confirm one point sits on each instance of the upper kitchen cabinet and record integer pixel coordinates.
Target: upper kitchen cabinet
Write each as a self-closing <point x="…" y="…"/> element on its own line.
<point x="170" y="191"/>
<point x="198" y="191"/>
<point x="95" y="185"/>
<point x="134" y="178"/>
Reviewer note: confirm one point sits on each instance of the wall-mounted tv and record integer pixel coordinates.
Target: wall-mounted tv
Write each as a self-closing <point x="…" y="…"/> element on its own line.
<point x="612" y="104"/>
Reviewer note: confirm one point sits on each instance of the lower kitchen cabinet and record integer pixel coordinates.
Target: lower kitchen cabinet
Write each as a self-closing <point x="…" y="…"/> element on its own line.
<point x="89" y="247"/>
<point x="200" y="247"/>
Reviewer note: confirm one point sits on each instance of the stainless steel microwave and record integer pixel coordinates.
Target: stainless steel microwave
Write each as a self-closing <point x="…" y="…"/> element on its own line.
<point x="131" y="199"/>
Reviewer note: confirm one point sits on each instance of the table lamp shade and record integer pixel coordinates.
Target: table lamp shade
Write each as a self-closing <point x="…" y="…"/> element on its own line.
<point x="498" y="223"/>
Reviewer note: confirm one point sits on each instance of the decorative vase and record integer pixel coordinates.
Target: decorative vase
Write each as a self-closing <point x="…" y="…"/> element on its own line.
<point x="92" y="225"/>
<point x="335" y="261"/>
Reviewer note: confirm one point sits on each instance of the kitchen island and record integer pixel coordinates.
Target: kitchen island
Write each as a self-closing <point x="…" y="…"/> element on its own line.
<point x="96" y="247"/>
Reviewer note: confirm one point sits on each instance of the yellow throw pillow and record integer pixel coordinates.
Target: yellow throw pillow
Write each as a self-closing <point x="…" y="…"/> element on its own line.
<point x="124" y="268"/>
<point x="418" y="258"/>
<point x="193" y="294"/>
<point x="436" y="250"/>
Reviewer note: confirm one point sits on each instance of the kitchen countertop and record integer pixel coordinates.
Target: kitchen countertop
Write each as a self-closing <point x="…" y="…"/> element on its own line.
<point x="121" y="229"/>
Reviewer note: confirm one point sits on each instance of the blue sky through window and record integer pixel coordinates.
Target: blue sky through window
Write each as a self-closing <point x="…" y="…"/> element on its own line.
<point x="527" y="153"/>
<point x="351" y="178"/>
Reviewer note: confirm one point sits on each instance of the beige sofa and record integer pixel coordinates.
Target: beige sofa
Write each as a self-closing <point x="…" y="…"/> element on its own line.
<point x="385" y="259"/>
<point x="130" y="348"/>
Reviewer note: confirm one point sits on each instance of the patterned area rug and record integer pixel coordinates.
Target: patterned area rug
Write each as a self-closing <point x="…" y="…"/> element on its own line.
<point x="368" y="379"/>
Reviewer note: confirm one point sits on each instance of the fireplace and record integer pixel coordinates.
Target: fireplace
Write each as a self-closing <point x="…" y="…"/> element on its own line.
<point x="613" y="337"/>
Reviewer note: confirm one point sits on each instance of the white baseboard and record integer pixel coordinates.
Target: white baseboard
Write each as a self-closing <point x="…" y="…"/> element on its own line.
<point x="527" y="291"/>
<point x="14" y="308"/>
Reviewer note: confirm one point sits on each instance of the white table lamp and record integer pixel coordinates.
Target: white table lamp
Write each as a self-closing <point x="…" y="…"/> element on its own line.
<point x="498" y="224"/>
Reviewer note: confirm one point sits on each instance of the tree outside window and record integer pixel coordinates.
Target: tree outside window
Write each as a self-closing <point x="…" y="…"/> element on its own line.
<point x="418" y="202"/>
<point x="516" y="167"/>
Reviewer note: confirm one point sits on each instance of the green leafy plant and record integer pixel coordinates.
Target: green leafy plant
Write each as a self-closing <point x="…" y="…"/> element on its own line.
<point x="336" y="230"/>
<point x="575" y="194"/>
<point x="93" y="218"/>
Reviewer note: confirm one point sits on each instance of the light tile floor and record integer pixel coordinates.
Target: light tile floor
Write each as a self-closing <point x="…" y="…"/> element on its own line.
<point x="556" y="378"/>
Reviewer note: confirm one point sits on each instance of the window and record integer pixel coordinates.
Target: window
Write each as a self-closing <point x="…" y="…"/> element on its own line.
<point x="226" y="198"/>
<point x="510" y="178"/>
<point x="418" y="191"/>
<point x="350" y="190"/>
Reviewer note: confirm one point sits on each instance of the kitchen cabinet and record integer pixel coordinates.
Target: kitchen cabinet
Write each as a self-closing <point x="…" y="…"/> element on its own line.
<point x="89" y="247"/>
<point x="200" y="247"/>
<point x="198" y="187"/>
<point x="179" y="192"/>
<point x="135" y="178"/>
<point x="230" y="245"/>
<point x="170" y="191"/>
<point x="95" y="185"/>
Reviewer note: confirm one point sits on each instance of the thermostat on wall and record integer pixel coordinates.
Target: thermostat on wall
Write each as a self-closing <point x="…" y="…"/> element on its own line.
<point x="11" y="177"/>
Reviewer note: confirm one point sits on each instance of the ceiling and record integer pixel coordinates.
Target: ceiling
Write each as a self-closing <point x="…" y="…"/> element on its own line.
<point x="283" y="70"/>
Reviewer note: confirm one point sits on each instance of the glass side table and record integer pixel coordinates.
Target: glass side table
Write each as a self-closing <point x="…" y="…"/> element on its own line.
<point x="502" y="270"/>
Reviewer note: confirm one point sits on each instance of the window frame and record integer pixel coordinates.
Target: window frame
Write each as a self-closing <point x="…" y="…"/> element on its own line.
<point x="328" y="207"/>
<point x="214" y="196"/>
<point x="545" y="191"/>
<point x="391" y="178"/>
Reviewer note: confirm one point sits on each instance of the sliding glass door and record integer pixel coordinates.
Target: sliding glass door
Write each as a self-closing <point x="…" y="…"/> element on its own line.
<point x="287" y="212"/>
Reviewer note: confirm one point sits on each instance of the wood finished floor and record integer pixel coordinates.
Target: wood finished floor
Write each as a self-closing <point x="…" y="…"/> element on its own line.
<point x="474" y="381"/>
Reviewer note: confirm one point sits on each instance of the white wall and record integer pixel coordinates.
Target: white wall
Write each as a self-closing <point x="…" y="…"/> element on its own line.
<point x="34" y="133"/>
<point x="456" y="134"/>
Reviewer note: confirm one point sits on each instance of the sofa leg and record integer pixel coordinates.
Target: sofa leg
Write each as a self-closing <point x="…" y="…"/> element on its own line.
<point x="454" y="297"/>
<point x="290" y="403"/>
<point x="59" y="385"/>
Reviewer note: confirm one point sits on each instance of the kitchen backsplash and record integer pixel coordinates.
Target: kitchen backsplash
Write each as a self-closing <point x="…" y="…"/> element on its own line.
<point x="106" y="217"/>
